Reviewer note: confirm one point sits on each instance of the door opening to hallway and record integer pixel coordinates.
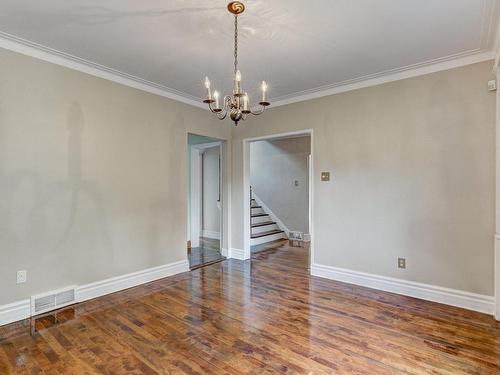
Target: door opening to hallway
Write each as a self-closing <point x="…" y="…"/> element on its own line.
<point x="279" y="193"/>
<point x="205" y="201"/>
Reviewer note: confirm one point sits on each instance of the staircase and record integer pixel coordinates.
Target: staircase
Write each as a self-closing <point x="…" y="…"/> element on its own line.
<point x="262" y="228"/>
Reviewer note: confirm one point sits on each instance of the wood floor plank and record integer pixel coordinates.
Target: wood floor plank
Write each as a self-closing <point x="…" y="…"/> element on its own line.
<point x="263" y="316"/>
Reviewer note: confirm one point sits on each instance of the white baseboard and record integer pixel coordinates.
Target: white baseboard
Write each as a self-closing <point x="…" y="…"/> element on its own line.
<point x="237" y="254"/>
<point x="15" y="311"/>
<point x="224" y="252"/>
<point x="268" y="238"/>
<point x="453" y="297"/>
<point x="210" y="234"/>
<point x="115" y="284"/>
<point x="21" y="310"/>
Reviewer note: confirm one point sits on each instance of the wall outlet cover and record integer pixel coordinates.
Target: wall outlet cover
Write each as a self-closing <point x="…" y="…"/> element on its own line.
<point x="325" y="176"/>
<point x="21" y="276"/>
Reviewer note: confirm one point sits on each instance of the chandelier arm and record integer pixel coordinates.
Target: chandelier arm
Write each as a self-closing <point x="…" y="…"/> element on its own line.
<point x="211" y="109"/>
<point x="221" y="115"/>
<point x="228" y="100"/>
<point x="259" y="112"/>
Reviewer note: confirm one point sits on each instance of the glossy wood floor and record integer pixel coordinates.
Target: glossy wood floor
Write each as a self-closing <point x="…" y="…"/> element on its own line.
<point x="263" y="316"/>
<point x="207" y="253"/>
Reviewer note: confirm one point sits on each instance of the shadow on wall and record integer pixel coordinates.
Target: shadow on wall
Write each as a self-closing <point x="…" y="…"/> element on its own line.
<point x="76" y="186"/>
<point x="163" y="212"/>
<point x="39" y="215"/>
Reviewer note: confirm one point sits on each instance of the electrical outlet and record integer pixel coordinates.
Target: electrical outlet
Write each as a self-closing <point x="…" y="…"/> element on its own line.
<point x="401" y="262"/>
<point x="22" y="276"/>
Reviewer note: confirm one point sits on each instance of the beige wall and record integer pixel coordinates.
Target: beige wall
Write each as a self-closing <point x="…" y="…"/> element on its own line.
<point x="93" y="176"/>
<point x="274" y="167"/>
<point x="413" y="175"/>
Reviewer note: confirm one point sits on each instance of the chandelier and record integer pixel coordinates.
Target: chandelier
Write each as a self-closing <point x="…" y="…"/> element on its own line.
<point x="236" y="105"/>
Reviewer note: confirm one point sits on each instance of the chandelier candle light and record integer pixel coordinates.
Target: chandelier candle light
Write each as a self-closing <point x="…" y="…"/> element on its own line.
<point x="237" y="104"/>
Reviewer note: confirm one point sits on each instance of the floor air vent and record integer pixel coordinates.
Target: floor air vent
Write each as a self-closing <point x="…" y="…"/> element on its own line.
<point x="52" y="300"/>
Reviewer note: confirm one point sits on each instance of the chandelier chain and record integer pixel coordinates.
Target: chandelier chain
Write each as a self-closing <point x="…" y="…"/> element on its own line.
<point x="235" y="43"/>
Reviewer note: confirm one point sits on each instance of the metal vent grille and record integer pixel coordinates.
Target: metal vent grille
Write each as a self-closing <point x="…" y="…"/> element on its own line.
<point x="65" y="297"/>
<point x="296" y="235"/>
<point x="44" y="303"/>
<point x="52" y="300"/>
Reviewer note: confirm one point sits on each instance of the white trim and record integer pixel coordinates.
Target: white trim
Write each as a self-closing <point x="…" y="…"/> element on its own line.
<point x="237" y="254"/>
<point x="496" y="42"/>
<point x="268" y="238"/>
<point x="453" y="297"/>
<point x="247" y="220"/>
<point x="195" y="197"/>
<point x="224" y="252"/>
<point x="14" y="312"/>
<point x="246" y="186"/>
<point x="497" y="275"/>
<point x="204" y="146"/>
<point x="415" y="70"/>
<point x="497" y="203"/>
<point x="211" y="234"/>
<point x="273" y="216"/>
<point x="38" y="51"/>
<point x="21" y="310"/>
<point x="118" y="283"/>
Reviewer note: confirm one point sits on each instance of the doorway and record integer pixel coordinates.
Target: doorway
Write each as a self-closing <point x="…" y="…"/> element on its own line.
<point x="278" y="194"/>
<point x="205" y="201"/>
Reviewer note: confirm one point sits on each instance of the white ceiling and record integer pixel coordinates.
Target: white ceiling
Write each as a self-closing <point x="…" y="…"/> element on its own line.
<point x="297" y="46"/>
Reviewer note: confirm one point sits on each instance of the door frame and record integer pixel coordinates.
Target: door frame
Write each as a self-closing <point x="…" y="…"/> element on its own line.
<point x="246" y="188"/>
<point x="196" y="189"/>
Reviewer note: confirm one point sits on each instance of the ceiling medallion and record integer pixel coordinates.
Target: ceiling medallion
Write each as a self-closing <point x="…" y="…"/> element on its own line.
<point x="236" y="105"/>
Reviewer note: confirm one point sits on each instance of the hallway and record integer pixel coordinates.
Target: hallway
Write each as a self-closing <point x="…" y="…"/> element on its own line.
<point x="266" y="315"/>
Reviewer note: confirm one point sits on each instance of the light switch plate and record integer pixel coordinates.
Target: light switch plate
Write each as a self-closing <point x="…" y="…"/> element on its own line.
<point x="402" y="263"/>
<point x="325" y="176"/>
<point x="492" y="85"/>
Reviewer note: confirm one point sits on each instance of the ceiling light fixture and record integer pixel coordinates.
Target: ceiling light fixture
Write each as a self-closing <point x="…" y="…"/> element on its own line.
<point x="237" y="104"/>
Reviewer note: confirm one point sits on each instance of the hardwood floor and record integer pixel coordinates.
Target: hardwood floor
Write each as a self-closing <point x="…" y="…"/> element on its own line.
<point x="207" y="253"/>
<point x="263" y="316"/>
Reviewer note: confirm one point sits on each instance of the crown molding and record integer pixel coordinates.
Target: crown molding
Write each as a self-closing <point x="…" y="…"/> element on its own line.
<point x="38" y="51"/>
<point x="415" y="70"/>
<point x="28" y="48"/>
<point x="497" y="47"/>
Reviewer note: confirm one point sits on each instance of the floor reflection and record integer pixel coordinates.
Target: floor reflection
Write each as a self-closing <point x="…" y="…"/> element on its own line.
<point x="207" y="253"/>
<point x="264" y="315"/>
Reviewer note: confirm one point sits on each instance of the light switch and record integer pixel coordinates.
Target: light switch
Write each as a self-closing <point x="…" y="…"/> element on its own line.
<point x="325" y="176"/>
